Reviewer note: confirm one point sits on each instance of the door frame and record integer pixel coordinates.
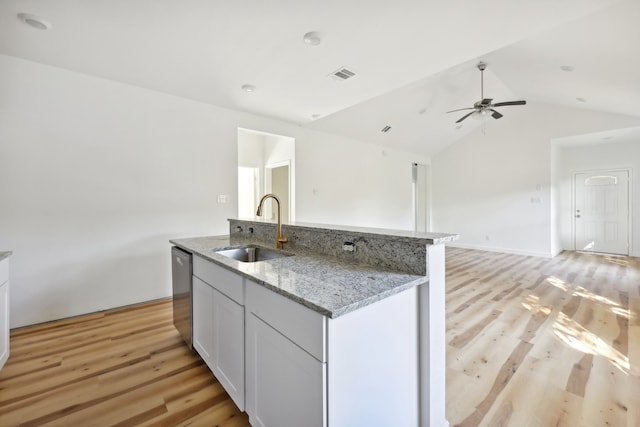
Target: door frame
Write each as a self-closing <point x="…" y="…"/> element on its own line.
<point x="629" y="171"/>
<point x="267" y="185"/>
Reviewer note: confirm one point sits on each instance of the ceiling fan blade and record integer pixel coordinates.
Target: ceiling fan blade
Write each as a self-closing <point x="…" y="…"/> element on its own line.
<point x="464" y="117"/>
<point x="495" y="114"/>
<point x="460" y="109"/>
<point x="486" y="101"/>
<point x="502" y="104"/>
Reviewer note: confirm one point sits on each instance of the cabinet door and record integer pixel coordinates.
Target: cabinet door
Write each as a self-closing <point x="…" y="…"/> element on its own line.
<point x="285" y="384"/>
<point x="203" y="320"/>
<point x="228" y="346"/>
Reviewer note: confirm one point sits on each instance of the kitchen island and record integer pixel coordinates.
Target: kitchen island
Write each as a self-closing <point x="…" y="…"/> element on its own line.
<point x="347" y="331"/>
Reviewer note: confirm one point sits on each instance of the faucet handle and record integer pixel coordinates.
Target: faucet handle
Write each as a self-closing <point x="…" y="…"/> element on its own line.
<point x="280" y="241"/>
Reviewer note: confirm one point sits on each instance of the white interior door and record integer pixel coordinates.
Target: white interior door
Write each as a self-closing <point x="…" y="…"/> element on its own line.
<point x="602" y="212"/>
<point x="278" y="182"/>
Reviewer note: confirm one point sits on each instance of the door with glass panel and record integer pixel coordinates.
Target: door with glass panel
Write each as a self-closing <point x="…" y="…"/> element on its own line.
<point x="601" y="216"/>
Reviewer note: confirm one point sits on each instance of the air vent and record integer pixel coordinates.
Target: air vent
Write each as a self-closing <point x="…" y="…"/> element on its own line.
<point x="386" y="129"/>
<point x="342" y="73"/>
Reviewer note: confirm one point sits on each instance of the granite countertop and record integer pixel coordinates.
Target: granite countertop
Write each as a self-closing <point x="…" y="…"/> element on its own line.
<point x="4" y="255"/>
<point x="324" y="284"/>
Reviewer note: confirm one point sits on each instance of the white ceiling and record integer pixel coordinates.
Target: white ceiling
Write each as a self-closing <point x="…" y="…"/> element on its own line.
<point x="414" y="59"/>
<point x="626" y="135"/>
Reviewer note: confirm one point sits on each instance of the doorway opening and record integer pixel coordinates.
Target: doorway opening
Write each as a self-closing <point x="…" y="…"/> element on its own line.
<point x="249" y="181"/>
<point x="278" y="182"/>
<point x="266" y="164"/>
<point x="601" y="211"/>
<point x="420" y="191"/>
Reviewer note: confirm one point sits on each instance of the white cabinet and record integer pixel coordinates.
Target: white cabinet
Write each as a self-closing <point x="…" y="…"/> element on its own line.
<point x="286" y="368"/>
<point x="218" y="325"/>
<point x="228" y="346"/>
<point x="4" y="311"/>
<point x="203" y="320"/>
<point x="285" y="384"/>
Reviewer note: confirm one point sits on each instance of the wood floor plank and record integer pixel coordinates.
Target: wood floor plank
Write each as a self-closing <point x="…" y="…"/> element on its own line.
<point x="502" y="379"/>
<point x="468" y="335"/>
<point x="579" y="375"/>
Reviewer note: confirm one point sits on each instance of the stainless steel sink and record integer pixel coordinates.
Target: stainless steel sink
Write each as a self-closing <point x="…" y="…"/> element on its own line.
<point x="252" y="254"/>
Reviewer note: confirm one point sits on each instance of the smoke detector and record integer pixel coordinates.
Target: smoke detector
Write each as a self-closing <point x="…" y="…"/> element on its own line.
<point x="312" y="38"/>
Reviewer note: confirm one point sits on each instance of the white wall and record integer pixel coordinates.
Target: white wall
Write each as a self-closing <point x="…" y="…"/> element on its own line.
<point x="96" y="176"/>
<point x="554" y="203"/>
<point x="279" y="149"/>
<point x="484" y="184"/>
<point x="611" y="155"/>
<point x="251" y="148"/>
<point x="360" y="185"/>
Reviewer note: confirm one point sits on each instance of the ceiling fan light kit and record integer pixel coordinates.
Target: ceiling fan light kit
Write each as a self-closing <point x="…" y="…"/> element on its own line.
<point x="485" y="107"/>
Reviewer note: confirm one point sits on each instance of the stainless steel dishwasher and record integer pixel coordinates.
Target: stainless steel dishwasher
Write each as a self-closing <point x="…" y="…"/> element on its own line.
<point x="181" y="271"/>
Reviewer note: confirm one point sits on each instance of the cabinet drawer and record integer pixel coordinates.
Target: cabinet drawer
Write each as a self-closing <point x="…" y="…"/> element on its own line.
<point x="220" y="278"/>
<point x="305" y="327"/>
<point x="4" y="270"/>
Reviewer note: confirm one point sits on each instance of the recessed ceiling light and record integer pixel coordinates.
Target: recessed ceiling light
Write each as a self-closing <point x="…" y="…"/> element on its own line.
<point x="567" y="68"/>
<point x="581" y="99"/>
<point x="248" y="88"/>
<point x="312" y="38"/>
<point x="34" y="21"/>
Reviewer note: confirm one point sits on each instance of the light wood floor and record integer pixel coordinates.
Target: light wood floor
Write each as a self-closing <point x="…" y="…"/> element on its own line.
<point x="540" y="342"/>
<point x="125" y="367"/>
<point x="531" y="342"/>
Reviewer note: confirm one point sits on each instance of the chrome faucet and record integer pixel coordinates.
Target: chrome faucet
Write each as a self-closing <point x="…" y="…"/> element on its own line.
<point x="280" y="240"/>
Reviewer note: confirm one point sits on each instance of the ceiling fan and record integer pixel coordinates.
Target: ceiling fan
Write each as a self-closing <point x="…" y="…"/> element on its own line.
<point x="484" y="107"/>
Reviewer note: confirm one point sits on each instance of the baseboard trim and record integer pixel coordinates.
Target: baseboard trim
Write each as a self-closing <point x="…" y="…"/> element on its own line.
<point x="498" y="249"/>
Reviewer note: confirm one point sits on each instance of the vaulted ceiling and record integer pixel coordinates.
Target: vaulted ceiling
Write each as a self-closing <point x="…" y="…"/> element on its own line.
<point x="413" y="60"/>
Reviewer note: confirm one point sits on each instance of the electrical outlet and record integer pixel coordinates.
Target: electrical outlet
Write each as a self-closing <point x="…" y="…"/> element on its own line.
<point x="349" y="247"/>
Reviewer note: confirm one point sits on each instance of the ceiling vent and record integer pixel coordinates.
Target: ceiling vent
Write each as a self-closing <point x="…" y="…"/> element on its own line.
<point x="386" y="129"/>
<point x="342" y="73"/>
